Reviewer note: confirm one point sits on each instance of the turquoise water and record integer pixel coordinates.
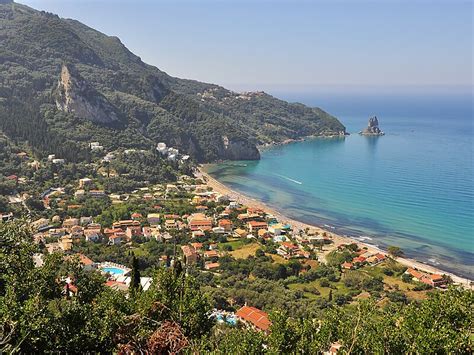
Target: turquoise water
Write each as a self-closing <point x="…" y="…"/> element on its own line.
<point x="412" y="187"/>
<point x="113" y="270"/>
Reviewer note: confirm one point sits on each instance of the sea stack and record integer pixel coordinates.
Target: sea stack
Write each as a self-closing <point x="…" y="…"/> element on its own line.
<point x="372" y="128"/>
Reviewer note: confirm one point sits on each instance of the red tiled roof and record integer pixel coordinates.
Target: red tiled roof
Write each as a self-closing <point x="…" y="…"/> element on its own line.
<point x="255" y="316"/>
<point x="436" y="277"/>
<point x="254" y="224"/>
<point x="85" y="260"/>
<point x="415" y="273"/>
<point x="359" y="259"/>
<point x="188" y="250"/>
<point x="211" y="266"/>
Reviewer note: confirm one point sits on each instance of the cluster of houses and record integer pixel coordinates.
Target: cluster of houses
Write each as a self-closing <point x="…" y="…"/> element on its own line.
<point x="171" y="153"/>
<point x="433" y="280"/>
<point x="364" y="257"/>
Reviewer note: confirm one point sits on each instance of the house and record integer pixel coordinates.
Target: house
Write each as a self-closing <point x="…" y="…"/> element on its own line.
<point x="84" y="221"/>
<point x="77" y="231"/>
<point x="135" y="231"/>
<point x="190" y="255"/>
<point x="97" y="193"/>
<point x="415" y="274"/>
<point x="255" y="226"/>
<point x="198" y="234"/>
<point x="359" y="260"/>
<point x="240" y="233"/>
<point x="116" y="239"/>
<point x="153" y="218"/>
<point x="86" y="263"/>
<point x="211" y="266"/>
<point x="275" y="229"/>
<point x="57" y="232"/>
<point x="85" y="182"/>
<point x="288" y="250"/>
<point x="79" y="194"/>
<point x="254" y="318"/>
<point x="347" y="266"/>
<point x="125" y="223"/>
<point x="434" y="280"/>
<point x="201" y="208"/>
<point x="376" y="259"/>
<point x="226" y="224"/>
<point x="218" y="230"/>
<point x="40" y="224"/>
<point x="203" y="224"/>
<point x="136" y="216"/>
<point x="111" y="231"/>
<point x="197" y="246"/>
<point x="71" y="222"/>
<point x="92" y="235"/>
<point x="211" y="254"/>
<point x="65" y="242"/>
<point x="171" y="224"/>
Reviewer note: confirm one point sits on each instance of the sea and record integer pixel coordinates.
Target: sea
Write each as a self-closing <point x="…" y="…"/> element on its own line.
<point x="412" y="187"/>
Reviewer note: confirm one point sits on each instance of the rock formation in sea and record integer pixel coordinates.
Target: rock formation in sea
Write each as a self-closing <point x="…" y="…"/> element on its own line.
<point x="372" y="128"/>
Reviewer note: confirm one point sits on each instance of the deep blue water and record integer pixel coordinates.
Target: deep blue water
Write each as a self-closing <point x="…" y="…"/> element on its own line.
<point x="412" y="187"/>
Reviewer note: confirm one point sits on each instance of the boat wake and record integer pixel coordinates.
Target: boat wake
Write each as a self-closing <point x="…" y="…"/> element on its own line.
<point x="289" y="179"/>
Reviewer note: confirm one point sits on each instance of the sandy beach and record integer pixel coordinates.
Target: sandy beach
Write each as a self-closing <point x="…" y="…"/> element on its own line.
<point x="337" y="239"/>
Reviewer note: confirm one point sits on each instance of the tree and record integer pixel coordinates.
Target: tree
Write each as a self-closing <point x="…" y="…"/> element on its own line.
<point x="395" y="251"/>
<point x="135" y="284"/>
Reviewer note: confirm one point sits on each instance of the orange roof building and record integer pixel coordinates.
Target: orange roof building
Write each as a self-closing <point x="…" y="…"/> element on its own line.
<point x="254" y="317"/>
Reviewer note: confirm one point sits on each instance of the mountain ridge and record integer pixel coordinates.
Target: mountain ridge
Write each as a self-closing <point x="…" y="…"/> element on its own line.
<point x="123" y="96"/>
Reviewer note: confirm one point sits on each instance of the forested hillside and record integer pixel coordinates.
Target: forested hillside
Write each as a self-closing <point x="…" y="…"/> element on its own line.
<point x="63" y="84"/>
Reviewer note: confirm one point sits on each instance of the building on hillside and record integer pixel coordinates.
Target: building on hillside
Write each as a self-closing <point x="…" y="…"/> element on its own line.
<point x="434" y="280"/>
<point x="116" y="239"/>
<point x="92" y="235"/>
<point x="85" y="182"/>
<point x="154" y="218"/>
<point x="97" y="193"/>
<point x="135" y="231"/>
<point x="65" y="242"/>
<point x="211" y="266"/>
<point x="40" y="224"/>
<point x="203" y="224"/>
<point x="124" y="224"/>
<point x="71" y="222"/>
<point x="255" y="226"/>
<point x="190" y="255"/>
<point x="254" y="318"/>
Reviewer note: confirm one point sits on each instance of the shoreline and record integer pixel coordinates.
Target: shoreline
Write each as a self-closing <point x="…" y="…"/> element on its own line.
<point x="337" y="239"/>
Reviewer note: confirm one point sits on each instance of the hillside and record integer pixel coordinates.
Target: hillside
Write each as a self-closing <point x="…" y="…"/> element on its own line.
<point x="63" y="85"/>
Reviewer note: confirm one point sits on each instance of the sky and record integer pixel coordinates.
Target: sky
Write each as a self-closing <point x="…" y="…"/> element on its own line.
<point x="291" y="44"/>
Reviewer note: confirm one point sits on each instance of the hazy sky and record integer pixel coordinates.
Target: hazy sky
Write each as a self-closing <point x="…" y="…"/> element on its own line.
<point x="263" y="43"/>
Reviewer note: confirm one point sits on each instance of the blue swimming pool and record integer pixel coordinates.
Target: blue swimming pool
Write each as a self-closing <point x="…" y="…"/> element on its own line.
<point x="113" y="270"/>
<point x="229" y="319"/>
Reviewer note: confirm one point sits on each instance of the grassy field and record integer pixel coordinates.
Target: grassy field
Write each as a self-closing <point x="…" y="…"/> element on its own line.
<point x="245" y="251"/>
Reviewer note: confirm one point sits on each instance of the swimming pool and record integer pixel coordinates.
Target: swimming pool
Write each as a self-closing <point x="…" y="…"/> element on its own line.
<point x="232" y="320"/>
<point x="113" y="270"/>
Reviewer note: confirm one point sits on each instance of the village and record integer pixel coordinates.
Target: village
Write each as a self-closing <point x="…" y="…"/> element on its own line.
<point x="191" y="222"/>
<point x="215" y="227"/>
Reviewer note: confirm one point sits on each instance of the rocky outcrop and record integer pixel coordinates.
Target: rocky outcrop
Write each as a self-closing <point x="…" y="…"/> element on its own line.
<point x="238" y="150"/>
<point x="372" y="128"/>
<point x="74" y="95"/>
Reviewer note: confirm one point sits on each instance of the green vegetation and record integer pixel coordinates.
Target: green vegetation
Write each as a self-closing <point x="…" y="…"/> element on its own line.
<point x="139" y="104"/>
<point x="41" y="311"/>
